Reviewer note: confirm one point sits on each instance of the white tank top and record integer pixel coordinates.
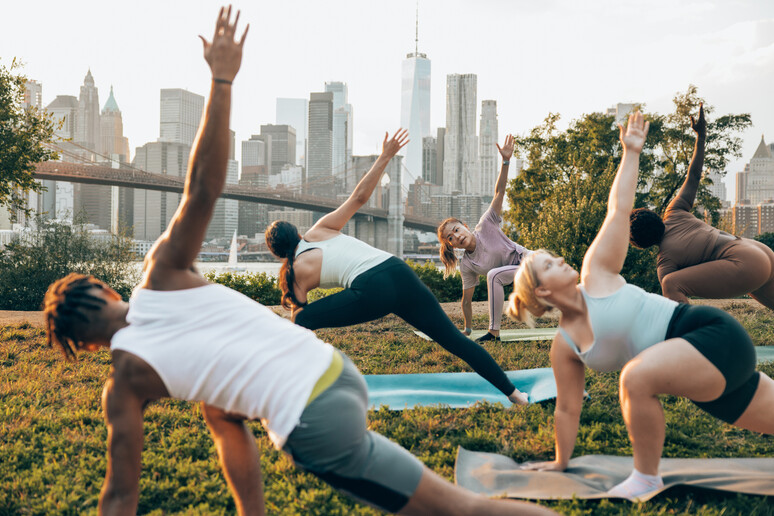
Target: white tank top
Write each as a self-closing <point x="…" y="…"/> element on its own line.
<point x="215" y="345"/>
<point x="344" y="259"/>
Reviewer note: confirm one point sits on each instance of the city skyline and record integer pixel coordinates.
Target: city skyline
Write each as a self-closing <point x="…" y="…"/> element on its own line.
<point x="555" y="57"/>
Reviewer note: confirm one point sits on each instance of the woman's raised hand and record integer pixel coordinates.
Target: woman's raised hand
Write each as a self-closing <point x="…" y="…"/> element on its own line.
<point x="506" y="151"/>
<point x="391" y="146"/>
<point x="633" y="137"/>
<point x="224" y="54"/>
<point x="700" y="125"/>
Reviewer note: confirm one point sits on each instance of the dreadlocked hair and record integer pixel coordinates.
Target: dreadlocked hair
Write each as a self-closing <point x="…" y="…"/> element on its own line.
<point x="283" y="238"/>
<point x="448" y="257"/>
<point x="63" y="307"/>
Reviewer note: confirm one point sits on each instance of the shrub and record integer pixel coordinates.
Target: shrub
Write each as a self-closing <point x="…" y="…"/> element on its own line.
<point x="53" y="249"/>
<point x="258" y="286"/>
<point x="449" y="289"/>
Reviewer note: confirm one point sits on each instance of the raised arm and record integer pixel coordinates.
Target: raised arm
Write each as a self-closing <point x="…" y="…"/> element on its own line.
<point x="606" y="255"/>
<point x="181" y="242"/>
<point x="687" y="195"/>
<point x="506" y="151"/>
<point x="123" y="415"/>
<point x="338" y="219"/>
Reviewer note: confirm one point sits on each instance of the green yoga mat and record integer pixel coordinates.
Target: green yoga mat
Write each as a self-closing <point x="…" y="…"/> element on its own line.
<point x="591" y="476"/>
<point x="454" y="390"/>
<point x="510" y="335"/>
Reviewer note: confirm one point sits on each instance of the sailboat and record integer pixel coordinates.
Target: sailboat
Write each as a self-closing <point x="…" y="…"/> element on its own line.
<point x="233" y="265"/>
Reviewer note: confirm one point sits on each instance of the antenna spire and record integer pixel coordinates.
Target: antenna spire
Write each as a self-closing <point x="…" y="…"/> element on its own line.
<point x="416" y="40"/>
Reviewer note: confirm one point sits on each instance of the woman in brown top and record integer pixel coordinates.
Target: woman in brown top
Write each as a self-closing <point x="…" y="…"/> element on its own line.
<point x="695" y="259"/>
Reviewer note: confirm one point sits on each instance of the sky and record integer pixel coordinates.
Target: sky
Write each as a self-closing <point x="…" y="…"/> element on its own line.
<point x="533" y="57"/>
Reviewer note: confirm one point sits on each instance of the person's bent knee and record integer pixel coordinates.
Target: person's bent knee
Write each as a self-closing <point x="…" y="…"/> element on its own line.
<point x="672" y="288"/>
<point x="634" y="380"/>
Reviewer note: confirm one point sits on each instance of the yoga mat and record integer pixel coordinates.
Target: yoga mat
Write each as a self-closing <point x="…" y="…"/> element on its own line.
<point x="455" y="390"/>
<point x="591" y="476"/>
<point x="510" y="335"/>
<point x="764" y="353"/>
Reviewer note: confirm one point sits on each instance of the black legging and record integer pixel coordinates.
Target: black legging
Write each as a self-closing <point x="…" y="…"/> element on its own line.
<point x="393" y="288"/>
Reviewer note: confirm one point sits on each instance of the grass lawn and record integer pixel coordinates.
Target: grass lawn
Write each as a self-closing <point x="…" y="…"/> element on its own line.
<point x="52" y="437"/>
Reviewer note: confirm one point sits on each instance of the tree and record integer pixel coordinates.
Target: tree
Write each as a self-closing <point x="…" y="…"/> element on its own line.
<point x="560" y="199"/>
<point x="766" y="238"/>
<point x="23" y="135"/>
<point x="671" y="141"/>
<point x="51" y="250"/>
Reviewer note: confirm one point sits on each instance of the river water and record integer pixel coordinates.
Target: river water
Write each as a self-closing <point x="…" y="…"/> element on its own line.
<point x="271" y="268"/>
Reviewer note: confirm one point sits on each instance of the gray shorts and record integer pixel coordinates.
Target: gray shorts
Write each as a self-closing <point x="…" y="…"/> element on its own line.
<point x="332" y="442"/>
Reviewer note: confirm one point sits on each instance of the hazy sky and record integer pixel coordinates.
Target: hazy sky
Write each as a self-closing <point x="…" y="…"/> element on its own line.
<point x="533" y="57"/>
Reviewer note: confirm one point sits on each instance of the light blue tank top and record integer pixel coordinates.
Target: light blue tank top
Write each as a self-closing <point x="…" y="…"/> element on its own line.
<point x="344" y="259"/>
<point x="624" y="324"/>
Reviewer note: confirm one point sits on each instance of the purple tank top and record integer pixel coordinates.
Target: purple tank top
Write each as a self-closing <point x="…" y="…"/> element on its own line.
<point x="493" y="249"/>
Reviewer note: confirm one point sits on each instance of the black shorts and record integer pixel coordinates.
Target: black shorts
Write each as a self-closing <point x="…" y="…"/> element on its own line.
<point x="725" y="343"/>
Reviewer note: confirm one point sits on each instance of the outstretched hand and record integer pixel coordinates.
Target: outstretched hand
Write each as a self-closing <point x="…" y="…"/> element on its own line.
<point x="700" y="125"/>
<point x="633" y="137"/>
<point x="506" y="151"/>
<point x="224" y="54"/>
<point x="391" y="146"/>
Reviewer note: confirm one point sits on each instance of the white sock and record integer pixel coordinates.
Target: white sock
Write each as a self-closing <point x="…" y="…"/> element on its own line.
<point x="637" y="485"/>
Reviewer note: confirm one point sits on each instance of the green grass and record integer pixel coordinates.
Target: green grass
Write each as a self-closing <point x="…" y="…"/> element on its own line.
<point x="52" y="436"/>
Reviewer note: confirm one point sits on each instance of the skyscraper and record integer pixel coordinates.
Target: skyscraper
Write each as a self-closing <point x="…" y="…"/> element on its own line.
<point x="460" y="163"/>
<point x="760" y="178"/>
<point x="91" y="201"/>
<point x="181" y="112"/>
<point x="88" y="124"/>
<point x="153" y="210"/>
<point x="295" y="113"/>
<point x="320" y="144"/>
<point x="415" y="108"/>
<point x="112" y="140"/>
<point x="283" y="146"/>
<point x="33" y="95"/>
<point x="342" y="126"/>
<point x="488" y="153"/>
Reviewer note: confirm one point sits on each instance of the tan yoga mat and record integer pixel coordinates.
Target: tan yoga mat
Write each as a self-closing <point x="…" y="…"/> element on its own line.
<point x="591" y="476"/>
<point x="510" y="335"/>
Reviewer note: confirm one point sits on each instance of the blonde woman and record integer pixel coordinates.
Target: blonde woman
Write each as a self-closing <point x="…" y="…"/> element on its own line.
<point x="487" y="252"/>
<point x="608" y="325"/>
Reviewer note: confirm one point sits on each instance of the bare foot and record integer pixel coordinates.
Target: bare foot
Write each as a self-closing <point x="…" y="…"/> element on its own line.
<point x="518" y="398"/>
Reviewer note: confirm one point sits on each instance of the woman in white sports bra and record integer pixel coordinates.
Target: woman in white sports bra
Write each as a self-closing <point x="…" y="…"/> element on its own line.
<point x="608" y="325"/>
<point x="375" y="282"/>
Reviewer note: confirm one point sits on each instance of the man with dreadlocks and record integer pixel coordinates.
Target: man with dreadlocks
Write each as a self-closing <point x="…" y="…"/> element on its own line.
<point x="184" y="338"/>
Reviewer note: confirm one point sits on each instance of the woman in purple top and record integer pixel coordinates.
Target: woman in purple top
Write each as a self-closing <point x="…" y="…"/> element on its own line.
<point x="487" y="251"/>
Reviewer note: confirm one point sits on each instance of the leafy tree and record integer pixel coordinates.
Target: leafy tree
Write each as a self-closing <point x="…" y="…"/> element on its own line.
<point x="23" y="134"/>
<point x="671" y="141"/>
<point x="766" y="238"/>
<point x="51" y="250"/>
<point x="560" y="199"/>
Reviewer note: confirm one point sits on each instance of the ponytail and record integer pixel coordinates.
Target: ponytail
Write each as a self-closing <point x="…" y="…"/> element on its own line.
<point x="282" y="238"/>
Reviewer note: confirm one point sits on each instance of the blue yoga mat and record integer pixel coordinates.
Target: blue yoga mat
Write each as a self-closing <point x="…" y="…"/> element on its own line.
<point x="764" y="353"/>
<point x="455" y="390"/>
